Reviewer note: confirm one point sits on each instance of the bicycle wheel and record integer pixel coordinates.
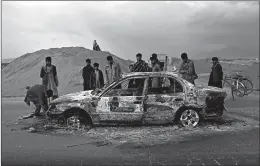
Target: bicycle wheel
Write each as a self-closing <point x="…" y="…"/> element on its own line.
<point x="248" y="85"/>
<point x="238" y="90"/>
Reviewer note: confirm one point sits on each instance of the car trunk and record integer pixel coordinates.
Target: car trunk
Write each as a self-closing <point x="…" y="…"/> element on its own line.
<point x="214" y="103"/>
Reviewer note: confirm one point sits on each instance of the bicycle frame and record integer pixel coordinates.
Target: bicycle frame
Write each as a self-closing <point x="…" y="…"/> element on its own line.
<point x="234" y="85"/>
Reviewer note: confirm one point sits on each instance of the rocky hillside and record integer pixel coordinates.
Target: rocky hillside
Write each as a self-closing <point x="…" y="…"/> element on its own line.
<point x="69" y="61"/>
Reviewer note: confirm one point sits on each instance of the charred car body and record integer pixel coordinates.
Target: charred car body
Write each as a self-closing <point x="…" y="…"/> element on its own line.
<point x="138" y="101"/>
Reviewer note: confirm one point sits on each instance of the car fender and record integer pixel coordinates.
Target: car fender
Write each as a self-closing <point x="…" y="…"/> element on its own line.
<point x="79" y="109"/>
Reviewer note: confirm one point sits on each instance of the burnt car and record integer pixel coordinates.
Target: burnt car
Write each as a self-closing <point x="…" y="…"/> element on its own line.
<point x="141" y="98"/>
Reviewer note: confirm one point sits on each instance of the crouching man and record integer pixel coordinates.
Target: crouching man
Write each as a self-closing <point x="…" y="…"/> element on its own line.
<point x="37" y="94"/>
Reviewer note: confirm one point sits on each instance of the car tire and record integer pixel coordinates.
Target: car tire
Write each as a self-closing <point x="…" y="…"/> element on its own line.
<point x="189" y="117"/>
<point x="76" y="118"/>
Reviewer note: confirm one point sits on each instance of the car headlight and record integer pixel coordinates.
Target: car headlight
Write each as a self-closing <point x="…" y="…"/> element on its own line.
<point x="61" y="107"/>
<point x="56" y="108"/>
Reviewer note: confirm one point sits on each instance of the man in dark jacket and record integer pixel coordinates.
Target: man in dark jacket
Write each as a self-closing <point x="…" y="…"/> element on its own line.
<point x="216" y="75"/>
<point x="97" y="79"/>
<point x="86" y="74"/>
<point x="37" y="95"/>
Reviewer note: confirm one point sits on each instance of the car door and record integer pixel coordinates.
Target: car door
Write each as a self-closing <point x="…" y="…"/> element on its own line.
<point x="122" y="104"/>
<point x="164" y="101"/>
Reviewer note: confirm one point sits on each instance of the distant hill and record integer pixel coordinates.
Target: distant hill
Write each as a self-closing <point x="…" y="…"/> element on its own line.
<point x="4" y="64"/>
<point x="7" y="60"/>
<point x="69" y="61"/>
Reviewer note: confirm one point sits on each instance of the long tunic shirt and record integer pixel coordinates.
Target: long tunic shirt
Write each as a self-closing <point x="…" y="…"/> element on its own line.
<point x="113" y="72"/>
<point x="156" y="81"/>
<point x="50" y="78"/>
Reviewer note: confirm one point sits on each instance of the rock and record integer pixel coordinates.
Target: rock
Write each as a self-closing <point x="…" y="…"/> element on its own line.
<point x="48" y="127"/>
<point x="32" y="130"/>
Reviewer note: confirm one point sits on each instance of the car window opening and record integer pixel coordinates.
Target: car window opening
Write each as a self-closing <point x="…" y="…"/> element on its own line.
<point x="129" y="87"/>
<point x="164" y="85"/>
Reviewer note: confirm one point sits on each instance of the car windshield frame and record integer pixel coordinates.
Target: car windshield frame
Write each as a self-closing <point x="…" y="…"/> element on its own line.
<point x="112" y="85"/>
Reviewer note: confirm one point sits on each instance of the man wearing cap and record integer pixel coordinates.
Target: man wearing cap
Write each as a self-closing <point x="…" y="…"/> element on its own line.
<point x="216" y="75"/>
<point x="187" y="69"/>
<point x="37" y="95"/>
<point x="154" y="56"/>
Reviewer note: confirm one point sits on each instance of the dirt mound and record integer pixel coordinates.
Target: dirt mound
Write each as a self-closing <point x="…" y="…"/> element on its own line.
<point x="69" y="61"/>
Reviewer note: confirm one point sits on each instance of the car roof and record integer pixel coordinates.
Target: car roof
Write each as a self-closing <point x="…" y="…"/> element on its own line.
<point x="149" y="74"/>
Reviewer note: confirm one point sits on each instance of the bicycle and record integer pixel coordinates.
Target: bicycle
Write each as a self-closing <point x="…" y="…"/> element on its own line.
<point x="237" y="87"/>
<point x="247" y="83"/>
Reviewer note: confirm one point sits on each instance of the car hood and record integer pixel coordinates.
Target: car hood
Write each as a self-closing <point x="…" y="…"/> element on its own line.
<point x="74" y="97"/>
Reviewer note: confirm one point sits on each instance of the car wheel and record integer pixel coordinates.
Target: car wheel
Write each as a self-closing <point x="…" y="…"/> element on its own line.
<point x="76" y="120"/>
<point x="189" y="117"/>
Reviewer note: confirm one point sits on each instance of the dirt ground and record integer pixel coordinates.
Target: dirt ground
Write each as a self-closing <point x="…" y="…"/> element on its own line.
<point x="54" y="144"/>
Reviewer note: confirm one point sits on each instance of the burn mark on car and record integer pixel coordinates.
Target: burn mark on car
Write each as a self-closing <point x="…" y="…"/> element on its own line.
<point x="93" y="104"/>
<point x="124" y="109"/>
<point x="137" y="102"/>
<point x="115" y="98"/>
<point x="159" y="98"/>
<point x="113" y="105"/>
<point x="139" y="98"/>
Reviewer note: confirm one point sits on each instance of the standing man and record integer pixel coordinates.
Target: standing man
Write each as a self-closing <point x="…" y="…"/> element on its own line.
<point x="216" y="75"/>
<point x="140" y="65"/>
<point x="97" y="79"/>
<point x="113" y="70"/>
<point x="154" y="55"/>
<point x="131" y="66"/>
<point x="37" y="95"/>
<point x="49" y="77"/>
<point x="155" y="68"/>
<point x="87" y="70"/>
<point x="187" y="69"/>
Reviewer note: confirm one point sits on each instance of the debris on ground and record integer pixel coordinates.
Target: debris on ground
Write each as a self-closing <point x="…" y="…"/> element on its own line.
<point x="138" y="136"/>
<point x="26" y="116"/>
<point x="32" y="130"/>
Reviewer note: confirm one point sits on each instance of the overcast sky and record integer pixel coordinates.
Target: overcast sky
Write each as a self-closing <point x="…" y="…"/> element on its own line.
<point x="202" y="29"/>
